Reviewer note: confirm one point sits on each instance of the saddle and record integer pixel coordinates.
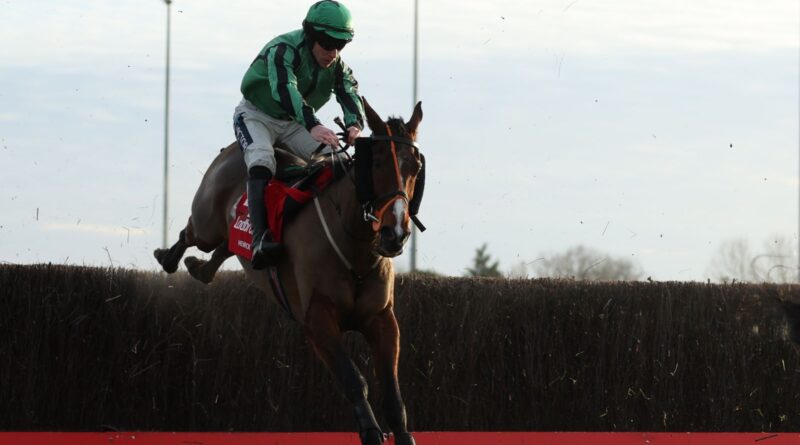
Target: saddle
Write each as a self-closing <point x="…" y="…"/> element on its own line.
<point x="296" y="182"/>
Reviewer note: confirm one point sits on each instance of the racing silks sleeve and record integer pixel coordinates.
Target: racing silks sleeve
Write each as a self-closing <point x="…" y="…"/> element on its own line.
<point x="282" y="61"/>
<point x="345" y="87"/>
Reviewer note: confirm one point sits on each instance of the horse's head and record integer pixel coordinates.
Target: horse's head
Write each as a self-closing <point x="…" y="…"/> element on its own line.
<point x="388" y="166"/>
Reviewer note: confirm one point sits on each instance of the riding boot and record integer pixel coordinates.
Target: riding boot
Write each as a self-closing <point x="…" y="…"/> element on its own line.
<point x="265" y="251"/>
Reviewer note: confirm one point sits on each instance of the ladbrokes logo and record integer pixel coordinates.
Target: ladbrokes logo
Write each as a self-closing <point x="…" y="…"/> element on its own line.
<point x="244" y="225"/>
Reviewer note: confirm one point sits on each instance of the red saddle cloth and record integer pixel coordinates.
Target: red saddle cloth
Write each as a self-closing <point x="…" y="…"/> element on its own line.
<point x="283" y="202"/>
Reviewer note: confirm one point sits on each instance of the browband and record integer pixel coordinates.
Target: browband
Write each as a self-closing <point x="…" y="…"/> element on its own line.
<point x="395" y="139"/>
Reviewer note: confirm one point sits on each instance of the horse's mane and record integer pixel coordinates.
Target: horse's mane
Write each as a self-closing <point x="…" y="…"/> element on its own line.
<point x="398" y="126"/>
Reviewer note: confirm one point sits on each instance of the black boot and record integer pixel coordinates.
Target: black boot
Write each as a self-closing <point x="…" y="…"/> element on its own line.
<point x="265" y="251"/>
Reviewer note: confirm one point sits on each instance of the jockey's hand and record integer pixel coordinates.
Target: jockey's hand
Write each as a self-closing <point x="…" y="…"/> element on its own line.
<point x="324" y="135"/>
<point x="352" y="134"/>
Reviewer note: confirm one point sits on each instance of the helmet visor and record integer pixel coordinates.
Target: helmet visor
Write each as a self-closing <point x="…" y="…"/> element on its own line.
<point x="329" y="43"/>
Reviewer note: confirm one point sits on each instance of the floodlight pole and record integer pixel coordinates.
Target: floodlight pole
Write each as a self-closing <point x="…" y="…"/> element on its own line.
<point x="414" y="103"/>
<point x="166" y="136"/>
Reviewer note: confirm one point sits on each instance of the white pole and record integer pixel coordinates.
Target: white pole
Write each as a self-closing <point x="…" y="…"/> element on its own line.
<point x="414" y="103"/>
<point x="166" y="137"/>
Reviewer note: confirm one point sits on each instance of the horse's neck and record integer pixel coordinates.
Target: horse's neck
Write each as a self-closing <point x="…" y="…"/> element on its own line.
<point x="345" y="218"/>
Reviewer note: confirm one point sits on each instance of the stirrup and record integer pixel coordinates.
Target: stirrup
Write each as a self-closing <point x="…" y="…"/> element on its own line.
<point x="265" y="254"/>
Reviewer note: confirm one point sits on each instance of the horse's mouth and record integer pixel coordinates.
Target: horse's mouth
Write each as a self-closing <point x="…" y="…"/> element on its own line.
<point x="388" y="253"/>
<point x="388" y="244"/>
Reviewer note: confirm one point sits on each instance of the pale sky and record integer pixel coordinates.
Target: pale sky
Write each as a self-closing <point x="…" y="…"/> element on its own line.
<point x="650" y="130"/>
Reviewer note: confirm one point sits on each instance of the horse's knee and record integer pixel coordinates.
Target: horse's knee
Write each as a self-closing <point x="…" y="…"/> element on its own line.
<point x="353" y="383"/>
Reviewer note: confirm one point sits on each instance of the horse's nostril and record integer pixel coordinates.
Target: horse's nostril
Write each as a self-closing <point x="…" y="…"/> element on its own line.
<point x="388" y="234"/>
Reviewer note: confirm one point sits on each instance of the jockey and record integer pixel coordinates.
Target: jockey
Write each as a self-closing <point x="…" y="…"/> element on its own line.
<point x="292" y="77"/>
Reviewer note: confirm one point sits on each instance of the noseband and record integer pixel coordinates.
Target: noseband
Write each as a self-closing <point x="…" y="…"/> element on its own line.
<point x="364" y="187"/>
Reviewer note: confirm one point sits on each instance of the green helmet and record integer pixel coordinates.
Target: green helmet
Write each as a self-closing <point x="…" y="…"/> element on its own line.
<point x="331" y="18"/>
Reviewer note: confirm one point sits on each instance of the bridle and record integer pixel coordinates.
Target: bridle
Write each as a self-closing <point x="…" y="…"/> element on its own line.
<point x="363" y="173"/>
<point x="364" y="191"/>
<point x="390" y="198"/>
<point x="364" y="184"/>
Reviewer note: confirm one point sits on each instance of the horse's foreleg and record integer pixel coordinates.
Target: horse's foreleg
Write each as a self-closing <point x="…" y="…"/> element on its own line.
<point x="169" y="258"/>
<point x="383" y="336"/>
<point x="205" y="270"/>
<point x="325" y="335"/>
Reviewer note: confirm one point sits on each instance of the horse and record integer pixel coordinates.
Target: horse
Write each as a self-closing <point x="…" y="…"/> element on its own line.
<point x="336" y="270"/>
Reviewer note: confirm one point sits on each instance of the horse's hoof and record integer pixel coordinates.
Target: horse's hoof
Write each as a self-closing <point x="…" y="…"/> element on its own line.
<point x="404" y="439"/>
<point x="194" y="266"/>
<point x="161" y="256"/>
<point x="372" y="436"/>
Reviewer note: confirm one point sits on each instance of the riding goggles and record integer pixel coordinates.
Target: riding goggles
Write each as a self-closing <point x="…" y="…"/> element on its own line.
<point x="329" y="44"/>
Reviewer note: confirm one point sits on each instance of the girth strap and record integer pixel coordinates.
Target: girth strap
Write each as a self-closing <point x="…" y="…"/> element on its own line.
<point x="277" y="289"/>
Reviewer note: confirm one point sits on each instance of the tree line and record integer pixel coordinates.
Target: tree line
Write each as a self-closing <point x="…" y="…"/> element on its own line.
<point x="735" y="260"/>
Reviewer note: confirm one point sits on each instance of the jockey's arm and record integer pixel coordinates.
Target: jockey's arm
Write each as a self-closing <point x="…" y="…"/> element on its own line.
<point x="346" y="90"/>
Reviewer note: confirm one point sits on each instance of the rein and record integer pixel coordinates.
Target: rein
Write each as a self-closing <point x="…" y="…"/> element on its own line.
<point x="364" y="191"/>
<point x="357" y="277"/>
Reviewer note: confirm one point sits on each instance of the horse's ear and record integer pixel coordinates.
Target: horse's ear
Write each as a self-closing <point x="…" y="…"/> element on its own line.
<point x="376" y="124"/>
<point x="416" y="117"/>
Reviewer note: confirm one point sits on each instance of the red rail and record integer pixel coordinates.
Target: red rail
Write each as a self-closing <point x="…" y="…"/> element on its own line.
<point x="430" y="438"/>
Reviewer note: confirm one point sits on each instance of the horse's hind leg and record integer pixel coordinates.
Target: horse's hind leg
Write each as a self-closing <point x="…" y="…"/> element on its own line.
<point x="325" y="335"/>
<point x="383" y="336"/>
<point x="169" y="258"/>
<point x="205" y="270"/>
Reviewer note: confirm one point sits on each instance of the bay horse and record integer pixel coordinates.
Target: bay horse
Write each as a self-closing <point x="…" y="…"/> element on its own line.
<point x="336" y="270"/>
